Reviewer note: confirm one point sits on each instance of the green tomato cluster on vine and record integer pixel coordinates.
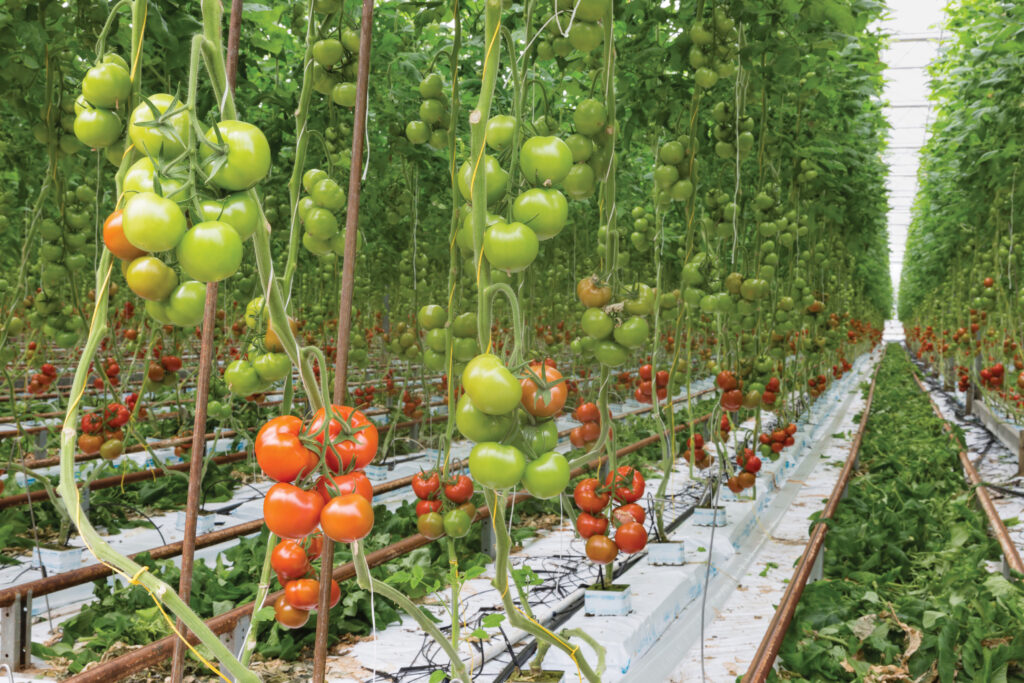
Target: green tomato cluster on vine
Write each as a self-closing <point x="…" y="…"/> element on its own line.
<point x="105" y="90"/>
<point x="713" y="52"/>
<point x="322" y="231"/>
<point x="335" y="66"/>
<point x="577" y="25"/>
<point x="432" y="125"/>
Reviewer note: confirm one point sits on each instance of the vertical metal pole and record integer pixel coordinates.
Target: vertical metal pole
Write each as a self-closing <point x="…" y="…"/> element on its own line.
<point x="195" y="473"/>
<point x="348" y="273"/>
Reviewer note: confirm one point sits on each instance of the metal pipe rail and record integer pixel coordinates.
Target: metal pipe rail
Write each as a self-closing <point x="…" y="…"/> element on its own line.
<point x="768" y="649"/>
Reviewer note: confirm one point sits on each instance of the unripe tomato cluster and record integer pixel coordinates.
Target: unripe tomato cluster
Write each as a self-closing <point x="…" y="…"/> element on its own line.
<point x="234" y="156"/>
<point x="322" y="233"/>
<point x="264" y="362"/>
<point x="512" y="422"/>
<point x="627" y="519"/>
<point x="105" y="90"/>
<point x="335" y="67"/>
<point x="443" y="509"/>
<point x="611" y="332"/>
<point x="432" y="125"/>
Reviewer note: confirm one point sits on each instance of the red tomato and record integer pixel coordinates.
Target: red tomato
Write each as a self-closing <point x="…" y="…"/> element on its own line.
<point x="587" y="412"/>
<point x="629" y="484"/>
<point x="347" y="518"/>
<point x="587" y="525"/>
<point x="634" y="511"/>
<point x="353" y="437"/>
<point x="753" y="464"/>
<point x="425" y="506"/>
<point x="631" y="537"/>
<point x="302" y="593"/>
<point x="426" y="484"/>
<point x="576" y="437"/>
<point x="587" y="498"/>
<point x="645" y="372"/>
<point x="279" y="450"/>
<point x="353" y="482"/>
<point x="289" y="560"/>
<point x="291" y="512"/>
<point x="461" y="491"/>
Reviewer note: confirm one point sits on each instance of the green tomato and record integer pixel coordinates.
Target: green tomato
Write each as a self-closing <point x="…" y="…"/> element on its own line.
<point x="545" y="211"/>
<point x="272" y="366"/>
<point x="242" y="378"/>
<point x="586" y="36"/>
<point x="457" y="523"/>
<point x="106" y="85"/>
<point x="436" y="340"/>
<point x="143" y="177"/>
<point x="596" y="323"/>
<point x="499" y="132"/>
<point x="643" y="301"/>
<point x="432" y="86"/>
<point x="581" y="147"/>
<point x="312" y="177"/>
<point x="248" y="156"/>
<point x="417" y="132"/>
<point x="254" y="310"/>
<point x="434" y="360"/>
<point x="539" y="438"/>
<point x="210" y="252"/>
<point x="431" y="317"/>
<point x="464" y="349"/>
<point x="633" y="332"/>
<point x="547" y="476"/>
<point x="589" y="117"/>
<point x="166" y="141"/>
<point x="477" y="425"/>
<point x="494" y="175"/>
<point x="545" y="160"/>
<point x="610" y="353"/>
<point x="239" y="210"/>
<point x="153" y="223"/>
<point x="510" y="247"/>
<point x="581" y="182"/>
<point x="344" y="94"/>
<point x="97" y="128"/>
<point x="328" y="194"/>
<point x="158" y="312"/>
<point x="150" y="278"/>
<point x="496" y="466"/>
<point x="492" y="388"/>
<point x="184" y="307"/>
<point x="431" y="111"/>
<point x="328" y="52"/>
<point x="464" y="325"/>
<point x="464" y="236"/>
<point x="321" y="223"/>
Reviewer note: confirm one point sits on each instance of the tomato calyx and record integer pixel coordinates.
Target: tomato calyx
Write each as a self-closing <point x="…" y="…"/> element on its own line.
<point x="161" y="121"/>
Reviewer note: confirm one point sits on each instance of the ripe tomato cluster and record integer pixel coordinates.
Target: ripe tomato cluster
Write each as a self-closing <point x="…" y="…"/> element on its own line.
<point x="102" y="433"/>
<point x="443" y="509"/>
<point x="841" y="368"/>
<point x="695" y="452"/>
<point x="645" y="388"/>
<point x="41" y="381"/>
<point x="293" y="562"/>
<point x="816" y="385"/>
<point x="589" y="430"/>
<point x="772" y="444"/>
<point x="627" y="519"/>
<point x="992" y="376"/>
<point x="163" y="368"/>
<point x="339" y="501"/>
<point x="112" y="370"/>
<point x="749" y="465"/>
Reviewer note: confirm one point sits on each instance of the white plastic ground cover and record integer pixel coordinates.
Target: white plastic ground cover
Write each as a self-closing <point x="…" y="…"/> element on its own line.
<point x="666" y="600"/>
<point x="246" y="505"/>
<point x="995" y="463"/>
